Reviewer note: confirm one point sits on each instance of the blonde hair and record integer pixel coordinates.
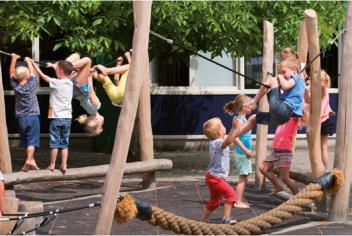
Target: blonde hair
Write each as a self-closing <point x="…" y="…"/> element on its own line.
<point x="20" y="73"/>
<point x="291" y="63"/>
<point x="91" y="126"/>
<point x="287" y="53"/>
<point x="325" y="78"/>
<point x="237" y="104"/>
<point x="211" y="128"/>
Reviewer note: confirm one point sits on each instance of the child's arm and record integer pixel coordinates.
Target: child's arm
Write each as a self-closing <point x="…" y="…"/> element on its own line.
<point x="40" y="73"/>
<point x="284" y="83"/>
<point x="14" y="58"/>
<point x="29" y="64"/>
<point x="231" y="135"/>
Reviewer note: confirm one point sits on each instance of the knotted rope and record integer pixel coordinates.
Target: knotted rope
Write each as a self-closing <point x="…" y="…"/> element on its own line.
<point x="128" y="208"/>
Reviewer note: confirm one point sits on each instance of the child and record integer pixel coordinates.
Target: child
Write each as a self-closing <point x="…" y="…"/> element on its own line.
<point x="218" y="169"/>
<point x="27" y="112"/>
<point x="281" y="106"/>
<point x="243" y="148"/>
<point x="2" y="194"/>
<point x="61" y="90"/>
<point x="281" y="156"/>
<point x="115" y="91"/>
<point x="83" y="92"/>
<point x="327" y="126"/>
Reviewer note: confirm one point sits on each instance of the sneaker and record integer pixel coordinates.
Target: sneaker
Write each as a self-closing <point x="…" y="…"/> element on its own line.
<point x="229" y="221"/>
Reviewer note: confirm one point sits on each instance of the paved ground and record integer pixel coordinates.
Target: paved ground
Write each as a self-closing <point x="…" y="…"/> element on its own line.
<point x="181" y="191"/>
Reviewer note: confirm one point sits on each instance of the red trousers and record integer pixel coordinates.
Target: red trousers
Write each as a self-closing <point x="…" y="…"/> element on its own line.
<point x="218" y="187"/>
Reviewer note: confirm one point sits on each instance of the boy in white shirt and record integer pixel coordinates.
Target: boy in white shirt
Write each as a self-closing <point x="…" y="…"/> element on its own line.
<point x="61" y="92"/>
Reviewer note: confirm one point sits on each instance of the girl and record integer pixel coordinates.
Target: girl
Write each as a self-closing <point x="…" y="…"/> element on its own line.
<point x="243" y="145"/>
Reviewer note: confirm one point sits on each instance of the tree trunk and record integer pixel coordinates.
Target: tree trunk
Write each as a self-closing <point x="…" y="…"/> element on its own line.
<point x="313" y="132"/>
<point x="343" y="159"/>
<point x="145" y="128"/>
<point x="142" y="13"/>
<point x="262" y="130"/>
<point x="5" y="156"/>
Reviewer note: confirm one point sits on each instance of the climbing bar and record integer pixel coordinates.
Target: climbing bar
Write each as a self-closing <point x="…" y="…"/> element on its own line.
<point x="170" y="41"/>
<point x="9" y="54"/>
<point x="127" y="208"/>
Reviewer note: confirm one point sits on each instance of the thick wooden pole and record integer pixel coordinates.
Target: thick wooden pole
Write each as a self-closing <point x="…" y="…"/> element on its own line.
<point x="5" y="156"/>
<point x="145" y="127"/>
<point x="262" y="130"/>
<point x="343" y="159"/>
<point x="313" y="132"/>
<point x="302" y="44"/>
<point x="142" y="12"/>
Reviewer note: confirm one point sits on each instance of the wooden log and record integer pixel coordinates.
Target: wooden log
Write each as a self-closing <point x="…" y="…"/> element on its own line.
<point x="11" y="206"/>
<point x="142" y="15"/>
<point x="339" y="206"/>
<point x="313" y="132"/>
<point x="5" y="156"/>
<point x="302" y="44"/>
<point x="84" y="172"/>
<point x="299" y="177"/>
<point x="262" y="130"/>
<point x="145" y="127"/>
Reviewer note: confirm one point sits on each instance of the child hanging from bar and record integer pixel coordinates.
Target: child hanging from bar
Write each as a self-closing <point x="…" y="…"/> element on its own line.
<point x="83" y="91"/>
<point x="281" y="106"/>
<point x="116" y="90"/>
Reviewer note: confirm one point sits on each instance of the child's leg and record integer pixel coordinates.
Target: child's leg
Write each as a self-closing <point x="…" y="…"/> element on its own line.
<point x="30" y="158"/>
<point x="324" y="151"/>
<point x="64" y="142"/>
<point x="84" y="66"/>
<point x="64" y="156"/>
<point x="271" y="82"/>
<point x="266" y="168"/>
<point x="205" y="215"/>
<point x="240" y="190"/>
<point x="53" y="155"/>
<point x="92" y="95"/>
<point x="285" y="176"/>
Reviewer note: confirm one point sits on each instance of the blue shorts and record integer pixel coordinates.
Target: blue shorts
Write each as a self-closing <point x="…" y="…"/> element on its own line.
<point x="29" y="128"/>
<point x="60" y="129"/>
<point x="279" y="112"/>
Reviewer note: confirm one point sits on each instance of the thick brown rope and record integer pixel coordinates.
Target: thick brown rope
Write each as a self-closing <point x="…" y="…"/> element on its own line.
<point x="256" y="225"/>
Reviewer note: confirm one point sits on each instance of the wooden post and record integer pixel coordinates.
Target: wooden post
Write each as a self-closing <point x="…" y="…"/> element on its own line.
<point x="142" y="12"/>
<point x="313" y="132"/>
<point x="262" y="130"/>
<point x="343" y="159"/>
<point x="302" y="44"/>
<point x="5" y="156"/>
<point x="145" y="127"/>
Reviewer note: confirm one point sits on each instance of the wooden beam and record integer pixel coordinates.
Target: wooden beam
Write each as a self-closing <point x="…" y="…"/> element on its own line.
<point x="142" y="14"/>
<point x="339" y="206"/>
<point x="262" y="130"/>
<point x="313" y="132"/>
<point x="5" y="156"/>
<point x="302" y="44"/>
<point x="84" y="172"/>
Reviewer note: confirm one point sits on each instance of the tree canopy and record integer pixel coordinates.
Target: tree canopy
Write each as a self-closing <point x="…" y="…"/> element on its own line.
<point x="102" y="28"/>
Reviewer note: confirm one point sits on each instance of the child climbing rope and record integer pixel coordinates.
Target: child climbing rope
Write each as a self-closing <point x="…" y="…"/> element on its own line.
<point x="281" y="106"/>
<point x="218" y="169"/>
<point x="243" y="145"/>
<point x="115" y="91"/>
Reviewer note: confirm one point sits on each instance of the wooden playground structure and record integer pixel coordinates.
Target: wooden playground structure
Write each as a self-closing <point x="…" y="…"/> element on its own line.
<point x="137" y="103"/>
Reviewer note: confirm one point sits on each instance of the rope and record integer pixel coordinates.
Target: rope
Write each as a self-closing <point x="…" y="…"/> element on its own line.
<point x="10" y="55"/>
<point x="125" y="211"/>
<point x="170" y="41"/>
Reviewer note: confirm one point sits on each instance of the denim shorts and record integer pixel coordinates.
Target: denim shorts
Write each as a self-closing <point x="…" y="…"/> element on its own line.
<point x="29" y="129"/>
<point x="60" y="129"/>
<point x="279" y="112"/>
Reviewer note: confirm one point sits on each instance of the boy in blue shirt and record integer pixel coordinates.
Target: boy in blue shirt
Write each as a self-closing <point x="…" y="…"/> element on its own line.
<point x="24" y="83"/>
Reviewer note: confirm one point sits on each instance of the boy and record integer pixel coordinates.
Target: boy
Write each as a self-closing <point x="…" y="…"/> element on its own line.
<point x="24" y="83"/>
<point x="281" y="156"/>
<point x="61" y="91"/>
<point x="281" y="106"/>
<point x="218" y="169"/>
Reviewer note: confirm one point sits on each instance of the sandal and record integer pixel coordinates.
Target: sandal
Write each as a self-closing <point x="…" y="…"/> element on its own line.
<point x="229" y="221"/>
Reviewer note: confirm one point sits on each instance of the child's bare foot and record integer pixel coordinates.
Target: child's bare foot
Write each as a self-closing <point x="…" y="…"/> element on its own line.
<point x="34" y="166"/>
<point x="51" y="168"/>
<point x="276" y="190"/>
<point x="26" y="167"/>
<point x="63" y="168"/>
<point x="241" y="205"/>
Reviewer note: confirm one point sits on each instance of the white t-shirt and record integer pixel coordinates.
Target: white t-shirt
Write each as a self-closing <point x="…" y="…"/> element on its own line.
<point x="61" y="91"/>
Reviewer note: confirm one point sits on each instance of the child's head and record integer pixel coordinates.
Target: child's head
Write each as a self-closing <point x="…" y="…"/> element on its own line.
<point x="93" y="124"/>
<point x="21" y="73"/>
<point x="214" y="128"/>
<point x="64" y="69"/>
<point x="239" y="105"/>
<point x="289" y="66"/>
<point x="325" y="79"/>
<point x="287" y="53"/>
